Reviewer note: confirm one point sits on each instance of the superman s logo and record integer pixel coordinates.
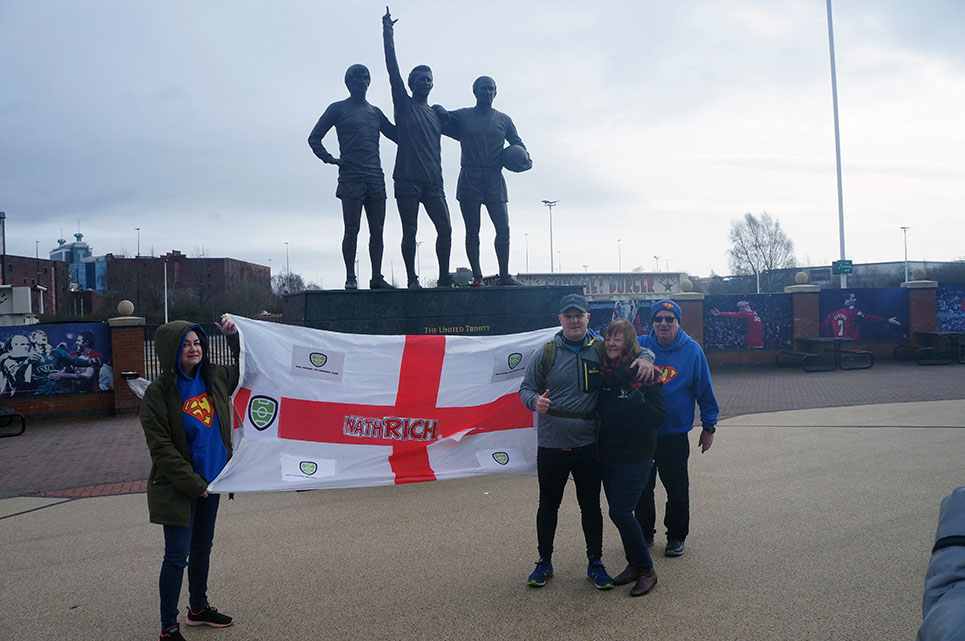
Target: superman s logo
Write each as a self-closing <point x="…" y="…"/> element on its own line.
<point x="666" y="373"/>
<point x="199" y="407"/>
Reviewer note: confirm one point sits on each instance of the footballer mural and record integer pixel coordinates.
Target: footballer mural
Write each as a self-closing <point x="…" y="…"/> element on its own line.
<point x="38" y="360"/>
<point x="865" y="314"/>
<point x="747" y="321"/>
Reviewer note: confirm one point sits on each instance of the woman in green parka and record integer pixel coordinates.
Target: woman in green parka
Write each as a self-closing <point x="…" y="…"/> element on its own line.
<point x="186" y="416"/>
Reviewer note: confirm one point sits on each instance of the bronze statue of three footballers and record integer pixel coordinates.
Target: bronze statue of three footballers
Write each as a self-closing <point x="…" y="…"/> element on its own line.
<point x="417" y="177"/>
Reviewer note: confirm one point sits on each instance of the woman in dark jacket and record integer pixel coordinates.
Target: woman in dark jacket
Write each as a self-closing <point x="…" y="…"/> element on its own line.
<point x="186" y="416"/>
<point x="630" y="412"/>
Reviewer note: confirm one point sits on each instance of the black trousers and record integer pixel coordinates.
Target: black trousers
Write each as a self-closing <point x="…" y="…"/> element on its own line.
<point x="554" y="467"/>
<point x="670" y="461"/>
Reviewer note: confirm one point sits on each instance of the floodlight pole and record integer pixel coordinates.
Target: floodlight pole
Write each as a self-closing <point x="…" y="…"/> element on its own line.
<point x="3" y="247"/>
<point x="837" y="142"/>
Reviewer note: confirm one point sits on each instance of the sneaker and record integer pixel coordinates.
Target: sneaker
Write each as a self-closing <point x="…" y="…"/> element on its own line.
<point x="446" y="283"/>
<point x="351" y="283"/>
<point x="597" y="572"/>
<point x="171" y="634"/>
<point x="543" y="571"/>
<point x="379" y="283"/>
<point x="414" y="283"/>
<point x="675" y="547"/>
<point x="509" y="281"/>
<point x="649" y="542"/>
<point x="207" y="616"/>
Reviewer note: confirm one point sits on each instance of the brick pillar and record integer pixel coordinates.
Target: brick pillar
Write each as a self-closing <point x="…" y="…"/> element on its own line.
<point x="922" y="307"/>
<point x="127" y="347"/>
<point x="806" y="315"/>
<point x="692" y="310"/>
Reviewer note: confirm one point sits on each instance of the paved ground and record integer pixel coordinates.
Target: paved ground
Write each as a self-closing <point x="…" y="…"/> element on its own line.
<point x="808" y="524"/>
<point x="108" y="456"/>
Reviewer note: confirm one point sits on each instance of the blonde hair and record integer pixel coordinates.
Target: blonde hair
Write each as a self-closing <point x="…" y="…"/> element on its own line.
<point x="623" y="327"/>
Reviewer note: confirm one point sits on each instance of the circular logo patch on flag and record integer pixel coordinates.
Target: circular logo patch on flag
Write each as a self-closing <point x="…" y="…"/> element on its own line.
<point x="318" y="359"/>
<point x="262" y="411"/>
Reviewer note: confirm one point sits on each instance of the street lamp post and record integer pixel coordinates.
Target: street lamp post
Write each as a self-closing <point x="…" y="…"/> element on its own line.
<point x="905" y="231"/>
<point x="550" y="204"/>
<point x="165" y="290"/>
<point x="37" y="277"/>
<point x="526" y="237"/>
<point x="288" y="270"/>
<point x="619" y="256"/>
<point x="656" y="263"/>
<point x="137" y="270"/>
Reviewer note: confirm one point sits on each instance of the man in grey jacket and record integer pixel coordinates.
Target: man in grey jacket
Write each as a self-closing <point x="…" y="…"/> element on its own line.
<point x="564" y="391"/>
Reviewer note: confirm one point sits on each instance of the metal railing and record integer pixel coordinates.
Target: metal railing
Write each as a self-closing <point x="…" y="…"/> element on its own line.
<point x="218" y="351"/>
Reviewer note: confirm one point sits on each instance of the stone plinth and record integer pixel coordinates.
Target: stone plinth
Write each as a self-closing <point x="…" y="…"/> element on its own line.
<point x="461" y="312"/>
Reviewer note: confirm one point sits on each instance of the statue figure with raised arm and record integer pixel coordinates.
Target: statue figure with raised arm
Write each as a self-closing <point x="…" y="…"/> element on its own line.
<point x="418" y="161"/>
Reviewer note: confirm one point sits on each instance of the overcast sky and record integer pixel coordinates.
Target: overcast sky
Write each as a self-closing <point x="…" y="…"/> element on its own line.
<point x="656" y="123"/>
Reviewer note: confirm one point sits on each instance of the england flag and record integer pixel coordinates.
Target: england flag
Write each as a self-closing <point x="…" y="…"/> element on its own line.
<point x="319" y="409"/>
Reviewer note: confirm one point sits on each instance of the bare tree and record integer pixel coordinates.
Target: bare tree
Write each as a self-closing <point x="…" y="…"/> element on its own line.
<point x="287" y="283"/>
<point x="759" y="246"/>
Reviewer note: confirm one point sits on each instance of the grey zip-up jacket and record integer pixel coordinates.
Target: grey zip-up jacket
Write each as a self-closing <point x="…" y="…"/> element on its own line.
<point x="574" y="385"/>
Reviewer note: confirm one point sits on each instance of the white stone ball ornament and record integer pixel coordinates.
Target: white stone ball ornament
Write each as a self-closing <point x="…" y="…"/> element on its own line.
<point x="125" y="308"/>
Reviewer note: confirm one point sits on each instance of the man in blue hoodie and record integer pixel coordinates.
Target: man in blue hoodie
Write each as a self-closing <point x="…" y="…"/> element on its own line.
<point x="686" y="380"/>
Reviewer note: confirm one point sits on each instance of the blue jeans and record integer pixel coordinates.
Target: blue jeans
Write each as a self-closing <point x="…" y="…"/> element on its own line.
<point x="187" y="546"/>
<point x="623" y="484"/>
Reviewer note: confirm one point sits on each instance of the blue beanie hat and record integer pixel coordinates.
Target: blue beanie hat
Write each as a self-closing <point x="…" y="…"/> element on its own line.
<point x="667" y="305"/>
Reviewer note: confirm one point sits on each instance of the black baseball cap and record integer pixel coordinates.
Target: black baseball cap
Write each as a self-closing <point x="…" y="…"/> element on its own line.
<point x="573" y="300"/>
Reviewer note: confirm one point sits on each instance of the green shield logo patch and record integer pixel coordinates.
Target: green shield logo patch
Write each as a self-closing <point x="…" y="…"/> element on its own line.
<point x="308" y="467"/>
<point x="501" y="457"/>
<point x="262" y="411"/>
<point x="514" y="359"/>
<point x="318" y="359"/>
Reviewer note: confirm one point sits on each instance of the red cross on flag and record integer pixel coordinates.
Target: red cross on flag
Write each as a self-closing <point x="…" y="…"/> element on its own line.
<point x="319" y="409"/>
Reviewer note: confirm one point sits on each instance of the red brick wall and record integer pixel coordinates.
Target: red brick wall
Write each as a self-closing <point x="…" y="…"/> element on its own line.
<point x="127" y="346"/>
<point x="922" y="311"/>
<point x="22" y="271"/>
<point x="63" y="406"/>
<point x="693" y="318"/>
<point x="806" y="315"/>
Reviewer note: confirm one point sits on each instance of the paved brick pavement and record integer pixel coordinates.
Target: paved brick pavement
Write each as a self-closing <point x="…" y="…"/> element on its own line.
<point x="109" y="456"/>
<point x="771" y="389"/>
